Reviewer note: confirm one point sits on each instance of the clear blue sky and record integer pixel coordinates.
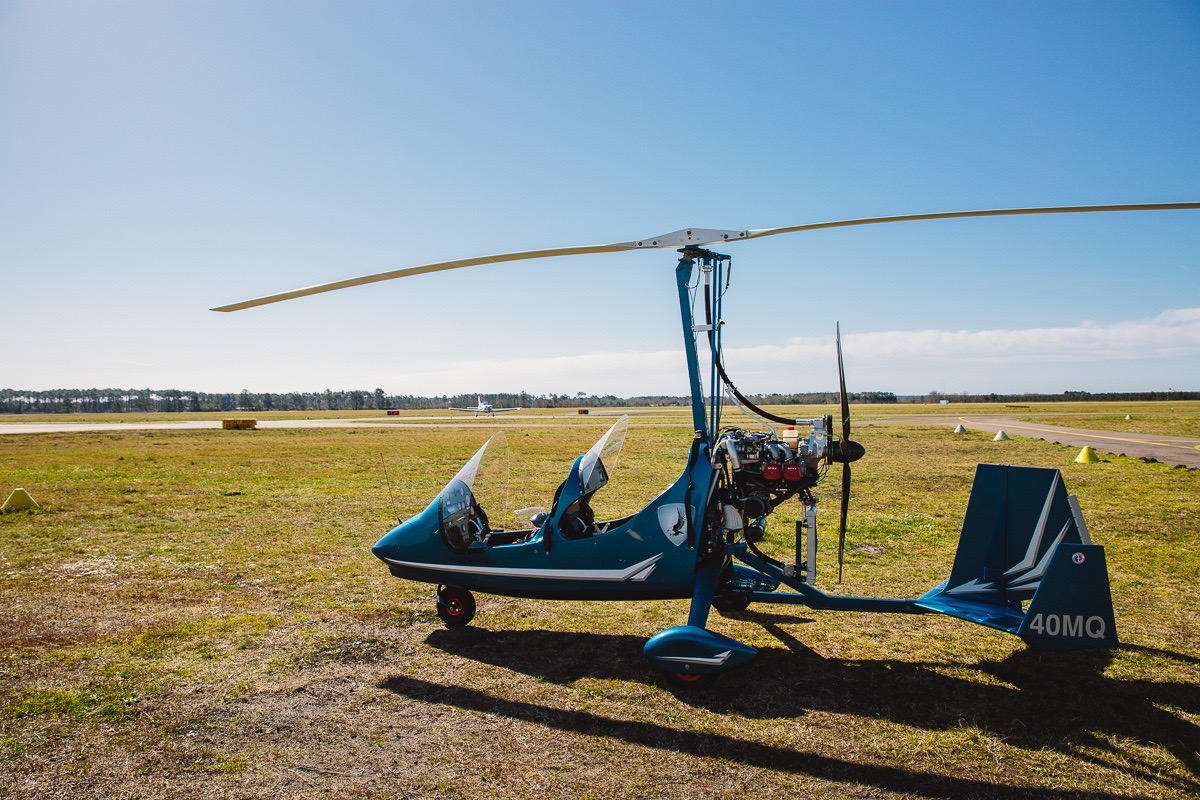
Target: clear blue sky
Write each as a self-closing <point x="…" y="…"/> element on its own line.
<point x="158" y="159"/>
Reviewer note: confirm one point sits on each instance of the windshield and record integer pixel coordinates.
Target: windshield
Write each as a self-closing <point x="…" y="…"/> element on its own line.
<point x="479" y="487"/>
<point x="598" y="463"/>
<point x="475" y="509"/>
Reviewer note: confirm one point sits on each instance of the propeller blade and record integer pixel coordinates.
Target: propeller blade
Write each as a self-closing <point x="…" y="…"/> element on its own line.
<point x="758" y="233"/>
<point x="842" y="387"/>
<point x="845" y="511"/>
<point x="685" y="237"/>
<point x="846" y="452"/>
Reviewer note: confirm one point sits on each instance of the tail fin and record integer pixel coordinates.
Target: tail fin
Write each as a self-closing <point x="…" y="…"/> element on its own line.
<point x="1024" y="539"/>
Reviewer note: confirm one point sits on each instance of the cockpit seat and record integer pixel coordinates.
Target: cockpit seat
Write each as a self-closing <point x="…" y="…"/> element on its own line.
<point x="578" y="521"/>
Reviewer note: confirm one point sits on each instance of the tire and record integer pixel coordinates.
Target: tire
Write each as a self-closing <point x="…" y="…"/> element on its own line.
<point x="455" y="605"/>
<point x="690" y="681"/>
<point x="731" y="603"/>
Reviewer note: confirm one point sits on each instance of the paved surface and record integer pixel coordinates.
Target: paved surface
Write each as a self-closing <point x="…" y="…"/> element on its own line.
<point x="187" y="425"/>
<point x="1176" y="450"/>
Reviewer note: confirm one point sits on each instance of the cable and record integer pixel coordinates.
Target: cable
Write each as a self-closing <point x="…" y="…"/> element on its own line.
<point x="721" y="367"/>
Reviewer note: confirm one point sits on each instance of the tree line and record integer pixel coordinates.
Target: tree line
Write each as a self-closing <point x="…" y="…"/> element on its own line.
<point x="1065" y="397"/>
<point x="66" y="401"/>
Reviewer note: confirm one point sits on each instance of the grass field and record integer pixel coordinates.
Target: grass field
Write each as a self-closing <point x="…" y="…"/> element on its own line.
<point x="197" y="614"/>
<point x="1179" y="418"/>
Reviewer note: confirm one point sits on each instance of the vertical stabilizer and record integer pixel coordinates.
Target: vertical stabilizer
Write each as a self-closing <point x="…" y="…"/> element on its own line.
<point x="1016" y="517"/>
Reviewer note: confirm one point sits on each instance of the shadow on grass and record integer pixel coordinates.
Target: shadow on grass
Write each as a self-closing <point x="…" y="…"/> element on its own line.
<point x="1053" y="701"/>
<point x="766" y="618"/>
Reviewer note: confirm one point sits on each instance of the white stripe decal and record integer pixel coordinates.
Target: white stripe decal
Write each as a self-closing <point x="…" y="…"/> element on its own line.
<point x="972" y="586"/>
<point x="641" y="576"/>
<point x="1037" y="572"/>
<point x="1035" y="541"/>
<point x="638" y="572"/>
<point x="716" y="661"/>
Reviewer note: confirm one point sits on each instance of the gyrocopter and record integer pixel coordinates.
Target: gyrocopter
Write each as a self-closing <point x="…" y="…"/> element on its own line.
<point x="1024" y="565"/>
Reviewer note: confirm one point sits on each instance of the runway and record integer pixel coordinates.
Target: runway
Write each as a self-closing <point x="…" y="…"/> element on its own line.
<point x="1174" y="450"/>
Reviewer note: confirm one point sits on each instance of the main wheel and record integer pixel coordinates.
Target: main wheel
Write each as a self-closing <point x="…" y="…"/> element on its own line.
<point x="688" y="680"/>
<point x="731" y="603"/>
<point x="455" y="605"/>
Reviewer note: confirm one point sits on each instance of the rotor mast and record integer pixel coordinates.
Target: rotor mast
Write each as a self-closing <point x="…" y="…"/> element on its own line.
<point x="705" y="420"/>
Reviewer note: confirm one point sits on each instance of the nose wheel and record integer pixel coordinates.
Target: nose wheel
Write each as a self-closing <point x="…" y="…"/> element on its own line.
<point x="455" y="605"/>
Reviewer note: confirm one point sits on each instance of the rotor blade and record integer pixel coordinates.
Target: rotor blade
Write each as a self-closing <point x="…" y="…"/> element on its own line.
<point x="842" y="387"/>
<point x="845" y="510"/>
<point x="424" y="268"/>
<point x="684" y="237"/>
<point x="758" y="233"/>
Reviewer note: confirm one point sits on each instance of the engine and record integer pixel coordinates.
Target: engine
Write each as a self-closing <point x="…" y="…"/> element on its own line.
<point x="760" y="471"/>
<point x="758" y="463"/>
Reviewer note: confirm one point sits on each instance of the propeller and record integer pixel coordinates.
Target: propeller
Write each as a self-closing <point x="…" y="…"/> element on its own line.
<point x="844" y="451"/>
<point x="687" y="237"/>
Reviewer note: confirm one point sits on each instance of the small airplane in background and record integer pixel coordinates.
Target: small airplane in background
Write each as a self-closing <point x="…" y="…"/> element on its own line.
<point x="484" y="407"/>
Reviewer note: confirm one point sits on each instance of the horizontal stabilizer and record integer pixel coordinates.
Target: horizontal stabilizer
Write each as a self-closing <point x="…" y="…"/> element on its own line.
<point x="989" y="614"/>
